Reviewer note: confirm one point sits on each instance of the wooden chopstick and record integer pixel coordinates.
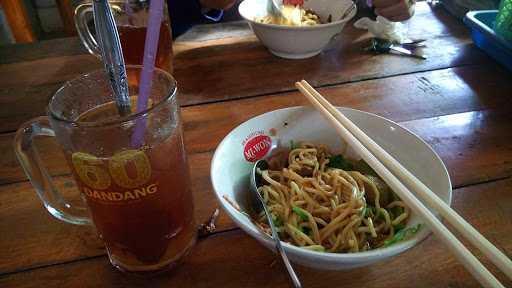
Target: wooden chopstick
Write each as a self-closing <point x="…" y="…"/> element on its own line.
<point x="461" y="252"/>
<point x="462" y="226"/>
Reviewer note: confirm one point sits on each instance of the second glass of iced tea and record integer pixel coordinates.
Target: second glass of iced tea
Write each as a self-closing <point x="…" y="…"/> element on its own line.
<point x="137" y="196"/>
<point x="131" y="17"/>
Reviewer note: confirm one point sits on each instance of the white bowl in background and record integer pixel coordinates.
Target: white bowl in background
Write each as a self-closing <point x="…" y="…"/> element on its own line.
<point x="230" y="172"/>
<point x="297" y="42"/>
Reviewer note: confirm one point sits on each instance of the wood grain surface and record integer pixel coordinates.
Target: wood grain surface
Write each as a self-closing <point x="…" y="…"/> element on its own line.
<point x="232" y="259"/>
<point x="248" y="69"/>
<point x="234" y="68"/>
<point x="423" y="95"/>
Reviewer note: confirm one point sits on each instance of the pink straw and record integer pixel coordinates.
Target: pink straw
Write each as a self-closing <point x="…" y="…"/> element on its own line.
<point x="148" y="66"/>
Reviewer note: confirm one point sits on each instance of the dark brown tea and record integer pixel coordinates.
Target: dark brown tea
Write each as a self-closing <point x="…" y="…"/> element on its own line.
<point x="139" y="199"/>
<point x="133" y="39"/>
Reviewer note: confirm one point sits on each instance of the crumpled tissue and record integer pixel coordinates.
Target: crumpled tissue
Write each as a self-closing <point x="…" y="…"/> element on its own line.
<point x="384" y="29"/>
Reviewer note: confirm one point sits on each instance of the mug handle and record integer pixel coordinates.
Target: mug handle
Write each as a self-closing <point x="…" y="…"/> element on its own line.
<point x="38" y="175"/>
<point x="83" y="30"/>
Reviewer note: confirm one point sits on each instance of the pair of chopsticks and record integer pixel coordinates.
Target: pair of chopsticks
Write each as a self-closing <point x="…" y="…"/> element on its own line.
<point x="385" y="165"/>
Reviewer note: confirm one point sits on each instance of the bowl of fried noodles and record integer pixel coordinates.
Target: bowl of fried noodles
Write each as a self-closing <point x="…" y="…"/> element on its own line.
<point x="331" y="210"/>
<point x="301" y="31"/>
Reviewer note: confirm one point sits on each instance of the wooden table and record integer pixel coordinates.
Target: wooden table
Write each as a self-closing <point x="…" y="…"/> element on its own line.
<point x="458" y="101"/>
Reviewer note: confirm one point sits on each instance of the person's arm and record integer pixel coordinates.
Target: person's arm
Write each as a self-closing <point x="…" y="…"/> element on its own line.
<point x="185" y="13"/>
<point x="217" y="4"/>
<point x="394" y="10"/>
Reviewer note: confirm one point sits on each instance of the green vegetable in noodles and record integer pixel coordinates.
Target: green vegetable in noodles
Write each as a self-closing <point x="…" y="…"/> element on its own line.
<point x="339" y="162"/>
<point x="368" y="210"/>
<point x="399" y="227"/>
<point x="396" y="211"/>
<point x="378" y="213"/>
<point x="293" y="145"/>
<point x="295" y="230"/>
<point x="402" y="234"/>
<point x="306" y="230"/>
<point x="385" y="194"/>
<point x="300" y="212"/>
<point x="364" y="168"/>
<point x="277" y="221"/>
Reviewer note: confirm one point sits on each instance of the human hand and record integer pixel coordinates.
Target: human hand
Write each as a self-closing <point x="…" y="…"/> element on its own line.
<point x="217" y="4"/>
<point x="394" y="10"/>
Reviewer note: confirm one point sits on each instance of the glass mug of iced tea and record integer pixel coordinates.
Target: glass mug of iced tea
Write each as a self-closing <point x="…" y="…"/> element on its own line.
<point x="131" y="17"/>
<point x="137" y="196"/>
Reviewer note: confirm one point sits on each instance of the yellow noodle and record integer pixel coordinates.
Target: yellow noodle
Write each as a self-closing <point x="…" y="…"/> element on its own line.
<point x="325" y="208"/>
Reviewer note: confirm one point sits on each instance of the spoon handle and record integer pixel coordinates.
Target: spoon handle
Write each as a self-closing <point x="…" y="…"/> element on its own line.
<point x="288" y="265"/>
<point x="112" y="54"/>
<point x="275" y="236"/>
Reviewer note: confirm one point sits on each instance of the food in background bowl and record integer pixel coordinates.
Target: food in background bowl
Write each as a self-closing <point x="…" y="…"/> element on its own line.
<point x="303" y="41"/>
<point x="326" y="202"/>
<point x="234" y="158"/>
<point x="292" y="16"/>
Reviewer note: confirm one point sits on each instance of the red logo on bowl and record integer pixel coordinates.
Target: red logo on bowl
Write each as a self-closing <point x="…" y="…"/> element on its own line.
<point x="294" y="2"/>
<point x="257" y="147"/>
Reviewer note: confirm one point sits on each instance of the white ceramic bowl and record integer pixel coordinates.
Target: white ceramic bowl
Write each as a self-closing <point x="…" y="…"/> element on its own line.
<point x="297" y="42"/>
<point x="230" y="171"/>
